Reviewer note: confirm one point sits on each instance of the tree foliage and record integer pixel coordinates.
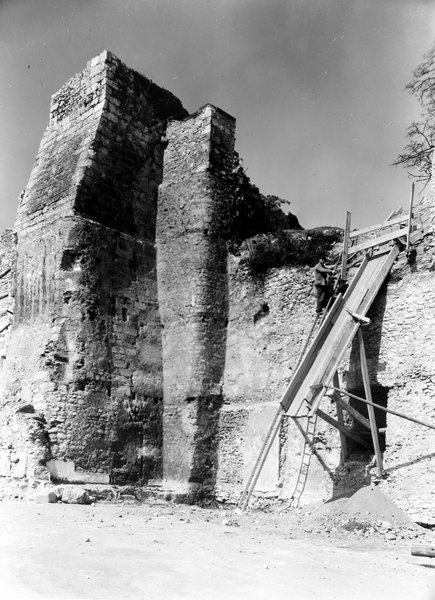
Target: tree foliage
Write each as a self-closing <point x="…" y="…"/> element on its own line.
<point x="417" y="153"/>
<point x="291" y="248"/>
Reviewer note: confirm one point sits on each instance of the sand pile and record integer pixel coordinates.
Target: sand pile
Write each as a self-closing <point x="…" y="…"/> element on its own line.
<point x="368" y="504"/>
<point x="368" y="512"/>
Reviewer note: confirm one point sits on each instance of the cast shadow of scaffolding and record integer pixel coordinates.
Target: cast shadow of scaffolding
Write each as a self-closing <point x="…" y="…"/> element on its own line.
<point x="359" y="458"/>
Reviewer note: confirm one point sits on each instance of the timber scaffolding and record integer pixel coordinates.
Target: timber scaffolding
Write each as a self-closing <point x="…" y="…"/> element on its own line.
<point x="375" y="249"/>
<point x="6" y="313"/>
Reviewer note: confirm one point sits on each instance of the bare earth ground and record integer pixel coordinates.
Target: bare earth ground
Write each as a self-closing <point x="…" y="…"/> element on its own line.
<point x="162" y="550"/>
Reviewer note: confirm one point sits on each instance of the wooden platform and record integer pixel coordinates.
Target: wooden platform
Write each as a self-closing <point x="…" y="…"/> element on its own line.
<point x="339" y="328"/>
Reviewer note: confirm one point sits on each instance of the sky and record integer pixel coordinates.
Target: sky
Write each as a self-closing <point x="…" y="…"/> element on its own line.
<point x="316" y="86"/>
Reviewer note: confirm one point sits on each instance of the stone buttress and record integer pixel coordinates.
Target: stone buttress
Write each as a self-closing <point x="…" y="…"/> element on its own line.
<point x="82" y="381"/>
<point x="193" y="293"/>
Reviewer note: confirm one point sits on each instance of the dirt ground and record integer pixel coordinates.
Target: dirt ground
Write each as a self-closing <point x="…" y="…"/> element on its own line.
<point x="161" y="550"/>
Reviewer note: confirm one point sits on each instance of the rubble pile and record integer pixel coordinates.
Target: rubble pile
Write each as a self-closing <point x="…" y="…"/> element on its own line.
<point x="366" y="513"/>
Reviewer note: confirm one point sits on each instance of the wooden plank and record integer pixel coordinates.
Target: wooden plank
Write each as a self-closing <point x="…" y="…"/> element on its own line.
<point x="364" y="320"/>
<point x="352" y="411"/>
<point x="423" y="551"/>
<point x="382" y="239"/>
<point x="371" y="410"/>
<point x="355" y="279"/>
<point x="324" y="362"/>
<point x="343" y="271"/>
<point x="411" y="203"/>
<point x="340" y="419"/>
<point x="379" y="280"/>
<point x="342" y="428"/>
<point x="387" y="410"/>
<point x="379" y="226"/>
<point x="319" y="339"/>
<point x="332" y="354"/>
<point x="5" y="327"/>
<point x="261" y="459"/>
<point x="396" y="212"/>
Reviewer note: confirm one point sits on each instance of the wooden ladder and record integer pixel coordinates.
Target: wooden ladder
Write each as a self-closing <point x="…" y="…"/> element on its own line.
<point x="317" y="369"/>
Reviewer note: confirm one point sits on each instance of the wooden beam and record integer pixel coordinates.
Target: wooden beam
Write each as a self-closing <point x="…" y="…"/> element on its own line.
<point x="313" y="350"/>
<point x="5" y="327"/>
<point x="371" y="410"/>
<point x="261" y="459"/>
<point x="387" y="410"/>
<point x="340" y="419"/>
<point x="382" y="239"/>
<point x="396" y="212"/>
<point x="352" y="411"/>
<point x="423" y="551"/>
<point x="379" y="226"/>
<point x="411" y="203"/>
<point x="342" y="428"/>
<point x="337" y="347"/>
<point x="362" y="318"/>
<point x="343" y="272"/>
<point x="375" y="285"/>
<point x="356" y="278"/>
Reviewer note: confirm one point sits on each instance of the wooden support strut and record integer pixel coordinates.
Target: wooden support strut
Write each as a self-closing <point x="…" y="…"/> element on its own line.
<point x="382" y="239"/>
<point x="371" y="410"/>
<point x="340" y="419"/>
<point x="423" y="551"/>
<point x="387" y="410"/>
<point x="361" y="318"/>
<point x="343" y="272"/>
<point x="342" y="428"/>
<point x="352" y="411"/>
<point x="411" y="204"/>
<point x="391" y="220"/>
<point x="5" y="327"/>
<point x="261" y="459"/>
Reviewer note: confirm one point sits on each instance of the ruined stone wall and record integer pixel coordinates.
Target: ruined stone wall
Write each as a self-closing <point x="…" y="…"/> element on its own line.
<point x="83" y="377"/>
<point x="7" y="254"/>
<point x="269" y="321"/>
<point x="193" y="292"/>
<point x="132" y="366"/>
<point x="400" y="354"/>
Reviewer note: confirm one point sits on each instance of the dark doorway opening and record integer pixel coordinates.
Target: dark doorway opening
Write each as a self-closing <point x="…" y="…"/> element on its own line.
<point x="379" y="396"/>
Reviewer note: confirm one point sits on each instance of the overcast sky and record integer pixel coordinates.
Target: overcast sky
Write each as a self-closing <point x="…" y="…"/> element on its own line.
<point x="316" y="86"/>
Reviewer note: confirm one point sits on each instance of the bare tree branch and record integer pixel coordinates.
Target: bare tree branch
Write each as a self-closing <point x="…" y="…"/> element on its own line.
<point x="416" y="156"/>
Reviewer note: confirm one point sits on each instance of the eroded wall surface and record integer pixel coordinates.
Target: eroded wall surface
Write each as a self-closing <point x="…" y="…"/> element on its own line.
<point x="193" y="293"/>
<point x="269" y="322"/>
<point x="82" y="380"/>
<point x="400" y="354"/>
<point x="7" y="255"/>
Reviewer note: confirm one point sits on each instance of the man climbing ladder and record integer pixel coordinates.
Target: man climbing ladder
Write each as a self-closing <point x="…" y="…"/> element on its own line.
<point x="321" y="283"/>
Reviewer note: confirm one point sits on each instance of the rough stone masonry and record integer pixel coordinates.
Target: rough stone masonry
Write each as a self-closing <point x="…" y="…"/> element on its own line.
<point x="138" y="346"/>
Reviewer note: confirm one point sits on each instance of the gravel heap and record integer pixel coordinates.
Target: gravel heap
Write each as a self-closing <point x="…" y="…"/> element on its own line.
<point x="368" y="511"/>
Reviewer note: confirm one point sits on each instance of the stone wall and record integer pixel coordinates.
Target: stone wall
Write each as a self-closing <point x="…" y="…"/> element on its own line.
<point x="7" y="254"/>
<point x="269" y="321"/>
<point x="193" y="292"/>
<point x="83" y="378"/>
<point x="135" y="366"/>
<point x="400" y="347"/>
